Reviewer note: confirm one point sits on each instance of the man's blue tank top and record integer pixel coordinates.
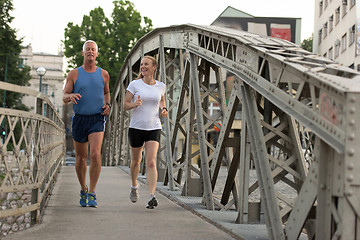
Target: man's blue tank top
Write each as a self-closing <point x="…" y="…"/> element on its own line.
<point x="91" y="88"/>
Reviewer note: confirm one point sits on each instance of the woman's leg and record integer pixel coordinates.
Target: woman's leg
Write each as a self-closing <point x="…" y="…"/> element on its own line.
<point x="135" y="164"/>
<point x="151" y="148"/>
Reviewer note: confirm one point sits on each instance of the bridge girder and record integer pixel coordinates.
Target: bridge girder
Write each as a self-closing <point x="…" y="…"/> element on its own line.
<point x="299" y="128"/>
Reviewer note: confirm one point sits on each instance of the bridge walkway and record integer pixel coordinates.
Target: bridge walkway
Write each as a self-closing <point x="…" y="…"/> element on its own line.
<point x="118" y="218"/>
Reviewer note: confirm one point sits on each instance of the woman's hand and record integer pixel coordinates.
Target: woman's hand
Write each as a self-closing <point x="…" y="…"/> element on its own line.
<point x="164" y="112"/>
<point x="138" y="102"/>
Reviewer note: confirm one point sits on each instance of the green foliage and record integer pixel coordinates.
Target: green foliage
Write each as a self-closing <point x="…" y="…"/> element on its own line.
<point x="10" y="62"/>
<point x="307" y="44"/>
<point x="115" y="37"/>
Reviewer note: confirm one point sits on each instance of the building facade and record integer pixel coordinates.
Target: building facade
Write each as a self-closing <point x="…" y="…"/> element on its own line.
<point x="52" y="81"/>
<point x="284" y="28"/>
<point x="336" y="24"/>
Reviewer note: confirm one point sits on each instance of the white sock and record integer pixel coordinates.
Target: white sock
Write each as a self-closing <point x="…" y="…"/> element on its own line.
<point x="136" y="187"/>
<point x="151" y="196"/>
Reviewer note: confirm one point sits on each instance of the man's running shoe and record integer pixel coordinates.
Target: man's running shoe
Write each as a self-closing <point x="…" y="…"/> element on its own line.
<point x="152" y="203"/>
<point x="92" y="200"/>
<point x="83" y="197"/>
<point x="134" y="194"/>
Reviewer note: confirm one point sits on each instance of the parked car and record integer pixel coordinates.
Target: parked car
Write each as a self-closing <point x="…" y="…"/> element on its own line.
<point x="70" y="161"/>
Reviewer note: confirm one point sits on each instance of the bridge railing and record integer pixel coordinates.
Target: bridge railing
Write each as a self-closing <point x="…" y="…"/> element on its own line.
<point x="286" y="149"/>
<point x="32" y="149"/>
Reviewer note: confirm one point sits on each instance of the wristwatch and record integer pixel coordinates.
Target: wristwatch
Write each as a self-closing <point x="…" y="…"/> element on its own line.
<point x="108" y="104"/>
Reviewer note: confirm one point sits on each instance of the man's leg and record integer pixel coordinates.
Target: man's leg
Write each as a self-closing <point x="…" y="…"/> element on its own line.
<point x="95" y="141"/>
<point x="81" y="151"/>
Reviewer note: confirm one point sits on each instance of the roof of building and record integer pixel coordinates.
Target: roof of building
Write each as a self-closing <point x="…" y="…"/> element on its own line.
<point x="233" y="12"/>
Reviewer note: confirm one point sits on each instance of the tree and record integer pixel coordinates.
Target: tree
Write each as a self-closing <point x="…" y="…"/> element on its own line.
<point x="115" y="37"/>
<point x="307" y="44"/>
<point x="10" y="62"/>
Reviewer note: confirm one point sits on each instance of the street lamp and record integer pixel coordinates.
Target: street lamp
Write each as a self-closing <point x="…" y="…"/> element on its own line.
<point x="41" y="72"/>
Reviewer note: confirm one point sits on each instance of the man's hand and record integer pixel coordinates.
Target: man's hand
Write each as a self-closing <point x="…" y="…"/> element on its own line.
<point x="74" y="97"/>
<point x="106" y="110"/>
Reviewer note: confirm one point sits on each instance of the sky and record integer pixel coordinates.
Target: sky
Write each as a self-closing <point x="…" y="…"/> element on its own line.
<point x="41" y="23"/>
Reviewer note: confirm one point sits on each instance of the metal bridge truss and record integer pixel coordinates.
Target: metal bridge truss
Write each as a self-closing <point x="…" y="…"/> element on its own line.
<point x="298" y="114"/>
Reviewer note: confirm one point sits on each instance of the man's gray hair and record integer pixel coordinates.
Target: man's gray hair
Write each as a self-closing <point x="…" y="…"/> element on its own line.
<point x="84" y="46"/>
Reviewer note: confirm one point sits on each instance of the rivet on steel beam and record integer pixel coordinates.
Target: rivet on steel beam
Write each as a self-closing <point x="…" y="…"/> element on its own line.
<point x="350" y="166"/>
<point x="349" y="192"/>
<point x="351" y="136"/>
<point x="352" y="110"/>
<point x="322" y="186"/>
<point x="351" y="152"/>
<point x="352" y="122"/>
<point x="350" y="178"/>
<point x="352" y="99"/>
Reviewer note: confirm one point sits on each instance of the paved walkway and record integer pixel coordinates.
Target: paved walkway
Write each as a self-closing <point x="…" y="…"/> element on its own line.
<point x="116" y="217"/>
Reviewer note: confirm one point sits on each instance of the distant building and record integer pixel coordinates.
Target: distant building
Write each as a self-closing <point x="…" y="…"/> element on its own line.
<point x="52" y="81"/>
<point x="337" y="31"/>
<point x="284" y="28"/>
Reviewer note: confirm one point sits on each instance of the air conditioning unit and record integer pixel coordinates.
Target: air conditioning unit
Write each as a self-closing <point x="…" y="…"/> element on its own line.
<point x="344" y="2"/>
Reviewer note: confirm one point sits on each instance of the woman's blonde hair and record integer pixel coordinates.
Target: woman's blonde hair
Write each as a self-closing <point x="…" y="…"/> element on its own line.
<point x="154" y="62"/>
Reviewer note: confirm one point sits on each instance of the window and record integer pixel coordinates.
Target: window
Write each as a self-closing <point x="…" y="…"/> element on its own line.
<point x="44" y="88"/>
<point x="325" y="30"/>
<point x="320" y="7"/>
<point x="320" y="35"/>
<point x="325" y="55"/>
<point x="344" y="7"/>
<point x="352" y="3"/>
<point x="337" y="48"/>
<point x="343" y="42"/>
<point x="331" y="22"/>
<point x="337" y="15"/>
<point x="352" y="35"/>
<point x="331" y="52"/>
<point x="214" y="108"/>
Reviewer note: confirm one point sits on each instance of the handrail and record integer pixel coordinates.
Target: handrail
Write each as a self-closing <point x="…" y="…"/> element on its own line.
<point x="31" y="152"/>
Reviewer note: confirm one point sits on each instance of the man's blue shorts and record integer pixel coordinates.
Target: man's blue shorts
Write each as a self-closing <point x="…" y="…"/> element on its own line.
<point x="83" y="125"/>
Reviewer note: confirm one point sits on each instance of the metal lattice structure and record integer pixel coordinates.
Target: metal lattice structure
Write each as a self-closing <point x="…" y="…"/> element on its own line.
<point x="31" y="153"/>
<point x="299" y="129"/>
